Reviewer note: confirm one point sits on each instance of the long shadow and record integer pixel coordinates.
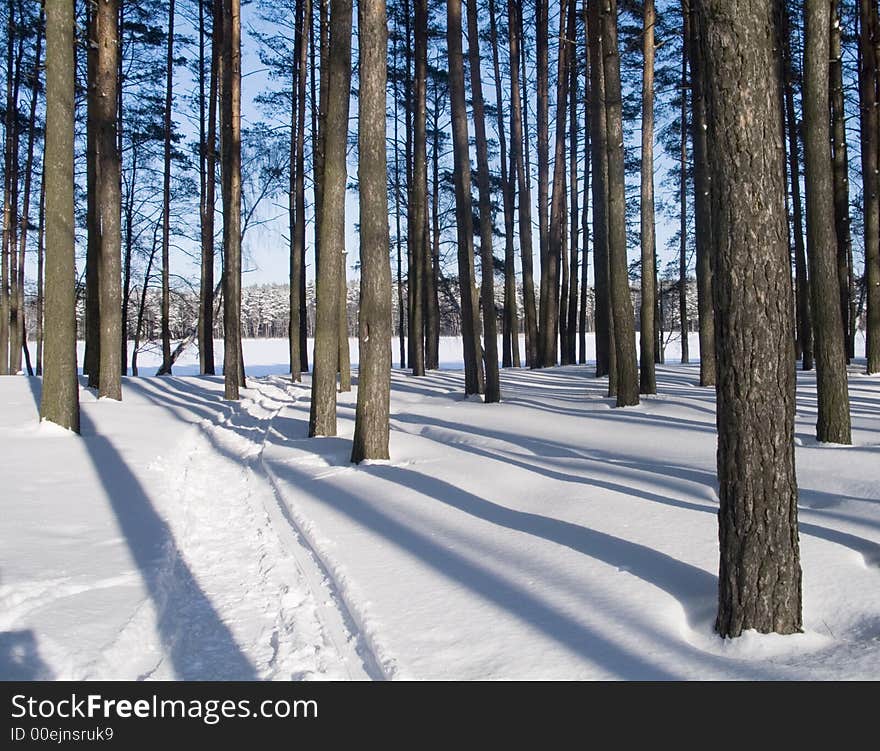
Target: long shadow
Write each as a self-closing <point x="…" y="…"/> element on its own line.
<point x="198" y="643"/>
<point x="20" y="658"/>
<point x="869" y="550"/>
<point x="513" y="598"/>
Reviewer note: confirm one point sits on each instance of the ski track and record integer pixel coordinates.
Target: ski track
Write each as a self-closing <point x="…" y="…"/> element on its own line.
<point x="251" y="559"/>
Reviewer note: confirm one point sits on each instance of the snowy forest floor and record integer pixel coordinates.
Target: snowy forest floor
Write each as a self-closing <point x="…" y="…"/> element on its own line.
<point x="549" y="536"/>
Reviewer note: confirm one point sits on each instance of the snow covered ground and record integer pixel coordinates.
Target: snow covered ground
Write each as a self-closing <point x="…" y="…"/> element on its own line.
<point x="550" y="536"/>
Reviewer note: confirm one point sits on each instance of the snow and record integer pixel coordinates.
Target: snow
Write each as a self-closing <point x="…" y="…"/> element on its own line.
<point x="548" y="537"/>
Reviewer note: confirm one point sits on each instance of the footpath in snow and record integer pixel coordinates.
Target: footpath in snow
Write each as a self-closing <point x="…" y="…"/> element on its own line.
<point x="550" y="536"/>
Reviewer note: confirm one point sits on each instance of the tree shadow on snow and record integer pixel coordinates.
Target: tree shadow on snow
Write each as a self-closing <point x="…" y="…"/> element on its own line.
<point x="20" y="658"/>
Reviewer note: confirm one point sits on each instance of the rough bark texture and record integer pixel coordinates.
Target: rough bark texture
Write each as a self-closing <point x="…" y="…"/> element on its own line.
<point x="569" y="345"/>
<point x="322" y="420"/>
<point x="419" y="194"/>
<point x="683" y="189"/>
<point x="542" y="117"/>
<point x="374" y="321"/>
<point x="870" y="139"/>
<point x="833" y="424"/>
<point x="759" y="575"/>
<point x="231" y="172"/>
<point x="492" y="391"/>
<point x="108" y="199"/>
<point x="621" y="303"/>
<point x="525" y="191"/>
<point x="208" y="185"/>
<point x="470" y="314"/>
<point x="60" y="397"/>
<point x="166" y="201"/>
<point x="647" y="377"/>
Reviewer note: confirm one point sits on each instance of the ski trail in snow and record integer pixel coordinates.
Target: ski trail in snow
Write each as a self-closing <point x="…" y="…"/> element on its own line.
<point x="341" y="626"/>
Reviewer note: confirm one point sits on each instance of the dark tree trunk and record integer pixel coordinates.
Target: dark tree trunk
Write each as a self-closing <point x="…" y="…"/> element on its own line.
<point x="470" y="314"/>
<point x="206" y="290"/>
<point x="870" y="141"/>
<point x="647" y="377"/>
<point x="802" y="298"/>
<point x="833" y="423"/>
<point x="432" y="325"/>
<point x="542" y="68"/>
<point x="487" y="261"/>
<point x="92" y="356"/>
<point x="525" y="192"/>
<point x="60" y="397"/>
<point x="621" y="302"/>
<point x="760" y="575"/>
<point x="582" y="324"/>
<point x="166" y="200"/>
<point x="41" y="224"/>
<point x="374" y="320"/>
<point x="683" y="183"/>
<point x="322" y="420"/>
<point x="569" y="351"/>
<point x="231" y="172"/>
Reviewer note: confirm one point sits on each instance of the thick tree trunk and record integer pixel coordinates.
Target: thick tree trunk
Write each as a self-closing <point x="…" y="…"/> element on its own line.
<point x="546" y="316"/>
<point x="525" y="192"/>
<point x="760" y="575"/>
<point x="374" y="320"/>
<point x="107" y="193"/>
<point x="60" y="397"/>
<point x="322" y="419"/>
<point x="487" y="261"/>
<point x="470" y="313"/>
<point x="833" y="423"/>
<point x="647" y="377"/>
<point x="802" y="297"/>
<point x="569" y="349"/>
<point x="166" y="199"/>
<point x="233" y="369"/>
<point x="621" y="302"/>
<point x="870" y="141"/>
<point x="683" y="183"/>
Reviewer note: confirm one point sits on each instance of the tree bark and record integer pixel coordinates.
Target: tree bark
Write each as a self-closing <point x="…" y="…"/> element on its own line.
<point x="621" y="302"/>
<point x="322" y="419"/>
<point x="683" y="183"/>
<point x="833" y="423"/>
<point x="542" y="71"/>
<point x="870" y="142"/>
<point x="59" y="402"/>
<point x="374" y="320"/>
<point x="647" y="377"/>
<point x="108" y="198"/>
<point x="166" y="200"/>
<point x="206" y="291"/>
<point x="470" y="313"/>
<point x="487" y="262"/>
<point x="525" y="191"/>
<point x="569" y="348"/>
<point x="231" y="173"/>
<point x="760" y="575"/>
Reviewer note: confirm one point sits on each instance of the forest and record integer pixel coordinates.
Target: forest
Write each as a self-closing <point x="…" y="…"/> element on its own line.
<point x="647" y="231"/>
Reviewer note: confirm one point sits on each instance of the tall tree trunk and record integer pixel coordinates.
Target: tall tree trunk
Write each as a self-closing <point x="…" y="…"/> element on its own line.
<point x="374" y="319"/>
<point x="802" y="299"/>
<point x="432" y="326"/>
<point x="417" y="215"/>
<point x="621" y="301"/>
<point x="15" y="265"/>
<point x="297" y="193"/>
<point x="60" y="397"/>
<point x="542" y="71"/>
<point x="231" y="174"/>
<point x="322" y="419"/>
<point x="108" y="198"/>
<point x="683" y="183"/>
<point x="514" y="11"/>
<point x="647" y="377"/>
<point x="487" y="261"/>
<point x="760" y="575"/>
<point x="585" y="226"/>
<point x="599" y="157"/>
<point x="402" y="304"/>
<point x="510" y="329"/>
<point x="206" y="290"/>
<point x="166" y="199"/>
<point x="841" y="184"/>
<point x="41" y="224"/>
<point x="569" y="353"/>
<point x="92" y="356"/>
<point x="470" y="313"/>
<point x="702" y="212"/>
<point x="550" y="307"/>
<point x="870" y="142"/>
<point x="7" y="208"/>
<point x="833" y="423"/>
